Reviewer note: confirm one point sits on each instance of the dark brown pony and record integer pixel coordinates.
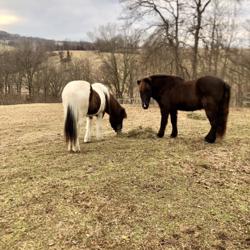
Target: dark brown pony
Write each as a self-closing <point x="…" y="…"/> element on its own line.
<point x="172" y="93"/>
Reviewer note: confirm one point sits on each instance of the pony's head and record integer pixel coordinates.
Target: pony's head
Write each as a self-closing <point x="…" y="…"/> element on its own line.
<point x="145" y="90"/>
<point x="116" y="114"/>
<point x="116" y="119"/>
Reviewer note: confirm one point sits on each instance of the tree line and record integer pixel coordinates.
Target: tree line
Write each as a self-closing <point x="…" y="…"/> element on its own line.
<point x="186" y="38"/>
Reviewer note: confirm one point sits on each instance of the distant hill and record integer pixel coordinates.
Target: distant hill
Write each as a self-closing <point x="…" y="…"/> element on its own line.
<point x="7" y="36"/>
<point x="13" y="39"/>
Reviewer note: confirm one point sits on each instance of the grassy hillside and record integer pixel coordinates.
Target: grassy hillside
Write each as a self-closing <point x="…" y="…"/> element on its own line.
<point x="128" y="192"/>
<point x="91" y="55"/>
<point x="4" y="47"/>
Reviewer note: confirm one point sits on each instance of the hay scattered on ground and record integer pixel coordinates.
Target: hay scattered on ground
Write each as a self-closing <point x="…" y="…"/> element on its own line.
<point x="141" y="133"/>
<point x="196" y="116"/>
<point x="122" y="193"/>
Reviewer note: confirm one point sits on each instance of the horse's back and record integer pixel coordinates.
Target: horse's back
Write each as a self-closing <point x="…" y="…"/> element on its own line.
<point x="210" y="86"/>
<point x="76" y="93"/>
<point x="74" y="86"/>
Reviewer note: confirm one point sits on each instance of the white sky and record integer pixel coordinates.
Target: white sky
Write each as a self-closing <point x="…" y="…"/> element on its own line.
<point x="64" y="19"/>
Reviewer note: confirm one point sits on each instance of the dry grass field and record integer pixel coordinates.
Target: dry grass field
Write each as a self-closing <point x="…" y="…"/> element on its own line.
<point x="128" y="192"/>
<point x="95" y="59"/>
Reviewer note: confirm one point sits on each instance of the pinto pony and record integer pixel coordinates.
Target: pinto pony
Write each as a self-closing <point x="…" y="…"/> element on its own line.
<point x="172" y="93"/>
<point x="81" y="99"/>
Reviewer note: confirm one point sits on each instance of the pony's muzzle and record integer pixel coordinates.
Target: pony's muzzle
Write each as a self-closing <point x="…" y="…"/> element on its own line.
<point x="119" y="132"/>
<point x="145" y="106"/>
<point x="118" y="129"/>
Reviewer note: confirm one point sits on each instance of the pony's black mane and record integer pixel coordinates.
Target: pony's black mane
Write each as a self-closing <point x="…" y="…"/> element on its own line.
<point x="165" y="78"/>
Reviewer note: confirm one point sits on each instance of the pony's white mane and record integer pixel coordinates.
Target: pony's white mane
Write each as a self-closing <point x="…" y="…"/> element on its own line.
<point x="102" y="87"/>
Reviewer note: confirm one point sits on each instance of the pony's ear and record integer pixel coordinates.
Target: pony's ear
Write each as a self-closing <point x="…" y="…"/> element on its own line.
<point x="138" y="82"/>
<point x="123" y="112"/>
<point x="148" y="80"/>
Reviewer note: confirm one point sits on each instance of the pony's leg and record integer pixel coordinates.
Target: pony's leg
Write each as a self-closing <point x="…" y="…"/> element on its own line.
<point x="76" y="145"/>
<point x="164" y="121"/>
<point x="69" y="146"/>
<point x="173" y="116"/>
<point x="74" y="148"/>
<point x="211" y="113"/>
<point x="77" y="139"/>
<point x="87" y="136"/>
<point x="65" y="107"/>
<point x="99" y="127"/>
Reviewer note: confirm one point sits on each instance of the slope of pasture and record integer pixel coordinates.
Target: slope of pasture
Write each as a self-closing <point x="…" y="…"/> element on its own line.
<point x="5" y="47"/>
<point x="128" y="192"/>
<point x="93" y="57"/>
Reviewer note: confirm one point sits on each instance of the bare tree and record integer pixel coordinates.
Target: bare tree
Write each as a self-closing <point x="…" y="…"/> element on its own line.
<point x="119" y="60"/>
<point x="29" y="57"/>
<point x="166" y="16"/>
<point x="6" y="70"/>
<point x="80" y="69"/>
<point x="199" y="7"/>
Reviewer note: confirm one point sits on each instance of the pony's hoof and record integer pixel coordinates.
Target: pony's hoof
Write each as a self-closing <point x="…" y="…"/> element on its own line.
<point x="75" y="150"/>
<point x="160" y="135"/>
<point x="209" y="139"/>
<point x="173" y="135"/>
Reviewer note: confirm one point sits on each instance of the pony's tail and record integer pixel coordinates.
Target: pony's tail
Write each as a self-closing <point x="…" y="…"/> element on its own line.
<point x="223" y="111"/>
<point x="70" y="128"/>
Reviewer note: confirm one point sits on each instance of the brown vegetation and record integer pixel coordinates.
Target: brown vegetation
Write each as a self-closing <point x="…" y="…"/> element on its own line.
<point x="129" y="192"/>
<point x="188" y="39"/>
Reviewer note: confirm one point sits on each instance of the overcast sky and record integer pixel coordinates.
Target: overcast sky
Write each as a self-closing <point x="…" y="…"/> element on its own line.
<point x="57" y="19"/>
<point x="63" y="19"/>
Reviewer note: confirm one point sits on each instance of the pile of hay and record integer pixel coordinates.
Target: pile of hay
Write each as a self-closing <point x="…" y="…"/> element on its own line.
<point x="141" y="133"/>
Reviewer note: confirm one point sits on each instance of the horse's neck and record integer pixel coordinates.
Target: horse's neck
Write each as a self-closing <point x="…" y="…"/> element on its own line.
<point x="113" y="106"/>
<point x="107" y="104"/>
<point x="162" y="87"/>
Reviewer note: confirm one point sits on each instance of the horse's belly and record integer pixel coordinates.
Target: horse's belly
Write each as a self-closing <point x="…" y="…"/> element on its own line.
<point x="189" y="106"/>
